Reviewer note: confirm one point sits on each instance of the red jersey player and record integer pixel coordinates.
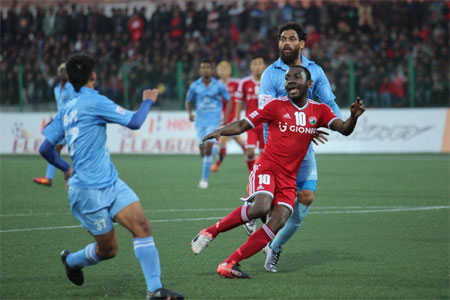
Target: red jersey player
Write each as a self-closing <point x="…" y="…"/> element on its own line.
<point x="224" y="72"/>
<point x="293" y="123"/>
<point x="248" y="92"/>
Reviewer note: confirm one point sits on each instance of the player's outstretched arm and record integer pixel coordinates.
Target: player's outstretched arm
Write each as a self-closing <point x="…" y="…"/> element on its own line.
<point x="346" y="128"/>
<point x="234" y="128"/>
<point x="148" y="98"/>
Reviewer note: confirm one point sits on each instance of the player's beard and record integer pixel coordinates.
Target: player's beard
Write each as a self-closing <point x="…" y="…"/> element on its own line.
<point x="289" y="58"/>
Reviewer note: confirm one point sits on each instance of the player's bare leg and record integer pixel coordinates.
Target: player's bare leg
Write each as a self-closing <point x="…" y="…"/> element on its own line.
<point x="133" y="218"/>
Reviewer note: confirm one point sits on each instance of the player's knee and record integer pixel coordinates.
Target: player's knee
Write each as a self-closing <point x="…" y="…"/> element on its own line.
<point x="250" y="152"/>
<point x="142" y="228"/>
<point x="305" y="197"/>
<point x="277" y="222"/>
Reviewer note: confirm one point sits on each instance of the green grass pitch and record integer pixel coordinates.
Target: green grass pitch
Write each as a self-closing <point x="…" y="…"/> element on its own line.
<point x="378" y="229"/>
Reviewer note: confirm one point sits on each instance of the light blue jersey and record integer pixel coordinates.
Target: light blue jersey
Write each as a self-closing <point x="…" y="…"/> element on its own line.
<point x="63" y="95"/>
<point x="82" y="121"/>
<point x="272" y="86"/>
<point x="208" y="101"/>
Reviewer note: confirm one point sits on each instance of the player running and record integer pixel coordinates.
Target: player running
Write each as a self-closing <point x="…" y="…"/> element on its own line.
<point x="292" y="39"/>
<point x="63" y="92"/>
<point x="207" y="93"/>
<point x="248" y="93"/>
<point x="97" y="196"/>
<point x="223" y="70"/>
<point x="292" y="124"/>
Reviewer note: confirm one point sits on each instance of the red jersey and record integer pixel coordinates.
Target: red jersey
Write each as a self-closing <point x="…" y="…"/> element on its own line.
<point x="232" y="87"/>
<point x="291" y="129"/>
<point x="248" y="91"/>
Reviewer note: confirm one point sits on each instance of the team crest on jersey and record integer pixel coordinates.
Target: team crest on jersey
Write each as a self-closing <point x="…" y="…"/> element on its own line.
<point x="120" y="110"/>
<point x="312" y="120"/>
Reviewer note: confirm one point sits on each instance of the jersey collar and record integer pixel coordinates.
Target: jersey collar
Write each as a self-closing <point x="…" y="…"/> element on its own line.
<point x="85" y="90"/>
<point x="300" y="108"/>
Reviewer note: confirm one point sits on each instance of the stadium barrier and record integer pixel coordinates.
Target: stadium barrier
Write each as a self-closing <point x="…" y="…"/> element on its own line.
<point x="378" y="131"/>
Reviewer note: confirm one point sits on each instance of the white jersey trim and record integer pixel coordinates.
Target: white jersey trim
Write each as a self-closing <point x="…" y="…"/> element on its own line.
<point x="256" y="193"/>
<point x="249" y="122"/>
<point x="331" y="121"/>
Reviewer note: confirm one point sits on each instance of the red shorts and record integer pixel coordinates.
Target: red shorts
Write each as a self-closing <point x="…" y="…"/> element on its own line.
<point x="265" y="180"/>
<point x="255" y="137"/>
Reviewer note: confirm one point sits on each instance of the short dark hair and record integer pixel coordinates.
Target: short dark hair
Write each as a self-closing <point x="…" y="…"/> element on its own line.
<point x="258" y="56"/>
<point x="206" y="60"/>
<point x="293" y="26"/>
<point x="308" y="74"/>
<point x="79" y="68"/>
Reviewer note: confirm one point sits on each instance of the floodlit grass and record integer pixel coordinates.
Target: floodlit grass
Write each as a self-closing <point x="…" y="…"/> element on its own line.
<point x="378" y="229"/>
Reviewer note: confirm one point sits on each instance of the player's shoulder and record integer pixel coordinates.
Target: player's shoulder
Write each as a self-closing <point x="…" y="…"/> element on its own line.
<point x="276" y="102"/>
<point x="234" y="81"/>
<point x="247" y="80"/>
<point x="318" y="106"/>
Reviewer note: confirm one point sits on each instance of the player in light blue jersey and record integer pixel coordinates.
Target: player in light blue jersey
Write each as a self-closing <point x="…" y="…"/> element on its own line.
<point x="207" y="93"/>
<point x="292" y="38"/>
<point x="97" y="196"/>
<point x="63" y="92"/>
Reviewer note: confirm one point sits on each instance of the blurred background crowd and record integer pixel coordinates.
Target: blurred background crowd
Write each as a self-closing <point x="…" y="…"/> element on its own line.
<point x="391" y="53"/>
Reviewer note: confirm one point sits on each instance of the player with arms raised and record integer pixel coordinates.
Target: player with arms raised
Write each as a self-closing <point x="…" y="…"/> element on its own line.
<point x="97" y="196"/>
<point x="292" y="124"/>
<point x="291" y="41"/>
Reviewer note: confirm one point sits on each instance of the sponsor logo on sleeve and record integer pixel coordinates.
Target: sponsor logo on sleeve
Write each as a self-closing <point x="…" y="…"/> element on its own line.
<point x="120" y="110"/>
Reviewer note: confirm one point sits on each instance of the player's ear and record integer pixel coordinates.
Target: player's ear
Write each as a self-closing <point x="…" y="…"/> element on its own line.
<point x="309" y="83"/>
<point x="302" y="44"/>
<point x="93" y="76"/>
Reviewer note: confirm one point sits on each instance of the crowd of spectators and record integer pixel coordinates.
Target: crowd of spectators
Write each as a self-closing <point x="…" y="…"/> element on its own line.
<point x="380" y="44"/>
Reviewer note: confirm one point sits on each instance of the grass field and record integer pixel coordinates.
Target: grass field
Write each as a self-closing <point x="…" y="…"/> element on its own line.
<point x="378" y="229"/>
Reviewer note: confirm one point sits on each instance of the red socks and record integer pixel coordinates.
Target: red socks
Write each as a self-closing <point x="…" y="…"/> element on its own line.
<point x="254" y="243"/>
<point x="235" y="218"/>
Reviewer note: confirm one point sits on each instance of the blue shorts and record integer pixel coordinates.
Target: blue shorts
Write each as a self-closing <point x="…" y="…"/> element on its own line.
<point x="307" y="174"/>
<point x="62" y="142"/>
<point x="96" y="208"/>
<point x="204" y="130"/>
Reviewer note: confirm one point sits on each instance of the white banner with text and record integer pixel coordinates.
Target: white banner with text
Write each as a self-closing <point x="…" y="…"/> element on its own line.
<point x="378" y="130"/>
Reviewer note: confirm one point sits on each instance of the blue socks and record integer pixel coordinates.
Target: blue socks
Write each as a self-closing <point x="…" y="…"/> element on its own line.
<point x="207" y="162"/>
<point x="291" y="226"/>
<point x="84" y="257"/>
<point x="145" y="251"/>
<point x="147" y="254"/>
<point x="50" y="171"/>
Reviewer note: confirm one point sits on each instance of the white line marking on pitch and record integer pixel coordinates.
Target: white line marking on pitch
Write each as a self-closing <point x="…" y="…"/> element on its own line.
<point x="397" y="209"/>
<point x="199" y="210"/>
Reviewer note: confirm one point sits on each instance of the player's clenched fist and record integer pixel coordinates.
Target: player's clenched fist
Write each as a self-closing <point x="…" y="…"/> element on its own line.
<point x="150" y="94"/>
